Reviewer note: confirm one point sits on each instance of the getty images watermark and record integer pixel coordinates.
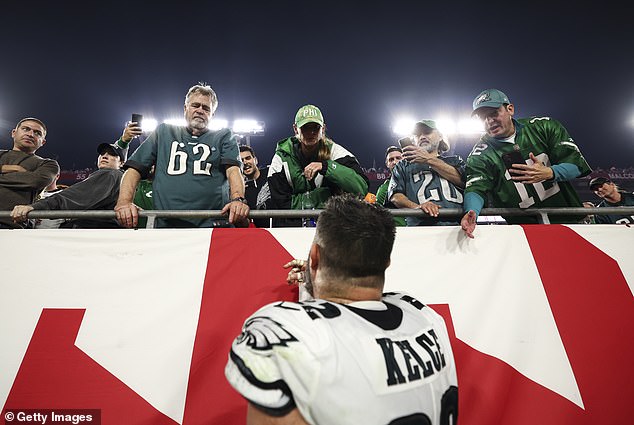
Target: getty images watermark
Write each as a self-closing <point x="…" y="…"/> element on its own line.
<point x="52" y="416"/>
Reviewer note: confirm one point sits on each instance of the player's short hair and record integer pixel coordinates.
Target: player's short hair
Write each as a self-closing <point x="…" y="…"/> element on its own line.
<point x="245" y="148"/>
<point x="204" y="89"/>
<point x="391" y="149"/>
<point x="355" y="238"/>
<point x="32" y="119"/>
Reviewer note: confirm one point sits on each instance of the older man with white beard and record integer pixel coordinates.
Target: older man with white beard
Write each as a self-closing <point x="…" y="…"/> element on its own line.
<point x="427" y="180"/>
<point x="195" y="168"/>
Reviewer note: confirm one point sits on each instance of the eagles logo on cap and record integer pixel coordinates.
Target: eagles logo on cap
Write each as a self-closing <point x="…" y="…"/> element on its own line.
<point x="492" y="98"/>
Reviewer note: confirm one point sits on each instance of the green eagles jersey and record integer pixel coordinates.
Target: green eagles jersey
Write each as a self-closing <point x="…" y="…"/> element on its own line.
<point x="342" y="174"/>
<point x="421" y="183"/>
<point x="627" y="200"/>
<point x="143" y="199"/>
<point x="190" y="170"/>
<point x="549" y="141"/>
<point x="381" y="199"/>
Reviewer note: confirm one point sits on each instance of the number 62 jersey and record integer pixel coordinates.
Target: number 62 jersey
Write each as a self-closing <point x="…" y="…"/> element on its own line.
<point x="369" y="362"/>
<point x="190" y="170"/>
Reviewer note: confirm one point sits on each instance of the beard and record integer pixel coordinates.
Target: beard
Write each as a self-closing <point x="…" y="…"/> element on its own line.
<point x="431" y="147"/>
<point x="198" y="123"/>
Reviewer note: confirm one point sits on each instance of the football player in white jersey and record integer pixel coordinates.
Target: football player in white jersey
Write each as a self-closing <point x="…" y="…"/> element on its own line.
<point x="351" y="355"/>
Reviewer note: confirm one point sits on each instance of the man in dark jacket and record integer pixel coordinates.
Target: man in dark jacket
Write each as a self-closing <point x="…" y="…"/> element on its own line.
<point x="98" y="192"/>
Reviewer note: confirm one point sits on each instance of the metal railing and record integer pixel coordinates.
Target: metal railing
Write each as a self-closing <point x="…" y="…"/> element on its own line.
<point x="541" y="214"/>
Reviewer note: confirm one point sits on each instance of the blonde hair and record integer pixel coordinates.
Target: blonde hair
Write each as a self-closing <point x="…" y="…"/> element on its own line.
<point x="325" y="148"/>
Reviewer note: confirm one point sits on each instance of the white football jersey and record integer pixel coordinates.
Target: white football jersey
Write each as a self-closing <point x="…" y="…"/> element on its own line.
<point x="370" y="362"/>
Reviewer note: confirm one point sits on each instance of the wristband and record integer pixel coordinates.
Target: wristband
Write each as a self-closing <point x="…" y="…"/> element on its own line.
<point x="239" y="199"/>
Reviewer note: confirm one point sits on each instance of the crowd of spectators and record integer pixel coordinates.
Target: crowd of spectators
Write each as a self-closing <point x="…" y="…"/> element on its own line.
<point x="517" y="163"/>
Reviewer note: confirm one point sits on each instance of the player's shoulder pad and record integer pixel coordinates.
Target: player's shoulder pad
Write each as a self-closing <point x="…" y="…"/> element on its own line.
<point x="283" y="322"/>
<point x="399" y="298"/>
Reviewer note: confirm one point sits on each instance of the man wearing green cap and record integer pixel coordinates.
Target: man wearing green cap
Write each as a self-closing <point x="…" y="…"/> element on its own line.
<point x="520" y="163"/>
<point x="426" y="179"/>
<point x="308" y="168"/>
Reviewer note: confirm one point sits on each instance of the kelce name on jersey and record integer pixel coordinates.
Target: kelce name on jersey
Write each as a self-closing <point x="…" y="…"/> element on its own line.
<point x="421" y="357"/>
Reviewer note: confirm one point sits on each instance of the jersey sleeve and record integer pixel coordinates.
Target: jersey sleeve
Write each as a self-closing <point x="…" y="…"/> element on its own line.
<point x="85" y="195"/>
<point x="397" y="181"/>
<point x="479" y="173"/>
<point x="145" y="155"/>
<point x="269" y="363"/>
<point x="230" y="153"/>
<point x="347" y="175"/>
<point x="563" y="148"/>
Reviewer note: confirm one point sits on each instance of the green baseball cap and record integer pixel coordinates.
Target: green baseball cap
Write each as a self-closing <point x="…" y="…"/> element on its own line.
<point x="443" y="145"/>
<point x="428" y="123"/>
<point x="308" y="113"/>
<point x="492" y="98"/>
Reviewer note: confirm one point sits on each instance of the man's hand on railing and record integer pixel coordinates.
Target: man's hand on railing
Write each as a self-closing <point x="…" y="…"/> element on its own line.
<point x="468" y="223"/>
<point x="127" y="214"/>
<point x="238" y="212"/>
<point x="19" y="213"/>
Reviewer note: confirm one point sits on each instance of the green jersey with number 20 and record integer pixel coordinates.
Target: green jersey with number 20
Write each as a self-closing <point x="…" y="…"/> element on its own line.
<point x="550" y="142"/>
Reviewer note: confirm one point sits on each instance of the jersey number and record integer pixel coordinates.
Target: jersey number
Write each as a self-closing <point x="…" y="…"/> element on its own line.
<point x="542" y="192"/>
<point x="448" y="411"/>
<point x="448" y="192"/>
<point x="178" y="160"/>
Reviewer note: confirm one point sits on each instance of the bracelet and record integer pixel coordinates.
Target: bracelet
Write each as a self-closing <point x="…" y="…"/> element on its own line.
<point x="239" y="199"/>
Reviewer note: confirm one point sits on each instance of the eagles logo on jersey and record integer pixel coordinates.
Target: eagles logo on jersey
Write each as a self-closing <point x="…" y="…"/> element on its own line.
<point x="263" y="333"/>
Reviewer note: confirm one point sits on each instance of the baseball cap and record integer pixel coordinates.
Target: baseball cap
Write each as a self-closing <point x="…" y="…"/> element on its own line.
<point x="444" y="145"/>
<point x="428" y="123"/>
<point x="111" y="149"/>
<point x="596" y="182"/>
<point x="308" y="113"/>
<point x="492" y="98"/>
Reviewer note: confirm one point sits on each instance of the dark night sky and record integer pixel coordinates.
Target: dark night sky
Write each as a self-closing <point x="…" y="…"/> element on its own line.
<point x="85" y="68"/>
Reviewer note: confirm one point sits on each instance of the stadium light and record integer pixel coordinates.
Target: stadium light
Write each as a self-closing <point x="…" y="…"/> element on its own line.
<point x="470" y="126"/>
<point x="148" y="125"/>
<point x="446" y="125"/>
<point x="248" y="126"/>
<point x="214" y="124"/>
<point x="403" y="126"/>
<point x="217" y="123"/>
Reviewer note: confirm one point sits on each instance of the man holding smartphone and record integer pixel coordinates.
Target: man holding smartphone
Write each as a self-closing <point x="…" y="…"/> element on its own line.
<point x="520" y="163"/>
<point x="426" y="179"/>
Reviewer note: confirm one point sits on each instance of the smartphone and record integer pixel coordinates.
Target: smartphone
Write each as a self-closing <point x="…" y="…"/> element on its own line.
<point x="137" y="118"/>
<point x="511" y="158"/>
<point x="405" y="141"/>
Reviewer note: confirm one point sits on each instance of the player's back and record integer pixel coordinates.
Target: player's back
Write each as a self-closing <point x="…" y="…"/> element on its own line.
<point x="366" y="363"/>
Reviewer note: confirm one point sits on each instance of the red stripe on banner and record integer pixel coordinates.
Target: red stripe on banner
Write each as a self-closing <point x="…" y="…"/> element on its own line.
<point x="594" y="312"/>
<point x="492" y="392"/>
<point x="230" y="295"/>
<point x="55" y="374"/>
